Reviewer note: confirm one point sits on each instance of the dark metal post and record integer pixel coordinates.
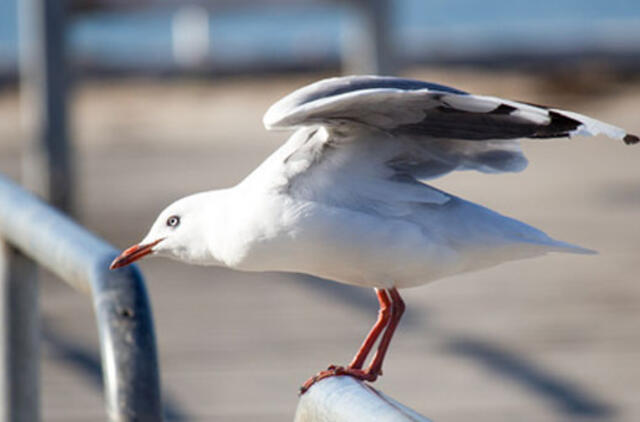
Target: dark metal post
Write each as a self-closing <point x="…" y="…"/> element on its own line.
<point x="47" y="163"/>
<point x="367" y="48"/>
<point x="127" y="345"/>
<point x="19" y="337"/>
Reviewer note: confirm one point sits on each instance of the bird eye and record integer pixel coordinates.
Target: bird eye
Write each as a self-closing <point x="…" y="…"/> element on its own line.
<point x="173" y="221"/>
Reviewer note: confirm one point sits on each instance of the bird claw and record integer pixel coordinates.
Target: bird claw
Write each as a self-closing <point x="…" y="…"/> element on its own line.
<point x="335" y="370"/>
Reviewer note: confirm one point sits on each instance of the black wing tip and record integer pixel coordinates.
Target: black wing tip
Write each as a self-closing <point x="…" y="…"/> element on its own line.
<point x="630" y="139"/>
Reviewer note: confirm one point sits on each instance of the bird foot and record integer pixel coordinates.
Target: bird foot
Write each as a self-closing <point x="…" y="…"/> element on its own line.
<point x="333" y="371"/>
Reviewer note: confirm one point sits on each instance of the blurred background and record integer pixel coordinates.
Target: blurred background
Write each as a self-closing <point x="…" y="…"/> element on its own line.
<point x="143" y="102"/>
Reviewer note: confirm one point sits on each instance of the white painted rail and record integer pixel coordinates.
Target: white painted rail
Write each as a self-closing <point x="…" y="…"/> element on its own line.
<point x="345" y="399"/>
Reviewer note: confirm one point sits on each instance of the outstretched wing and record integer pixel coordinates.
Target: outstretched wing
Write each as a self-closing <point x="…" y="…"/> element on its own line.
<point x="401" y="131"/>
<point x="405" y="106"/>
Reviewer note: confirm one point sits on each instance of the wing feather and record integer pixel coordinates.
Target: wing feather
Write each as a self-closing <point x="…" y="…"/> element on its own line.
<point x="405" y="106"/>
<point x="386" y="136"/>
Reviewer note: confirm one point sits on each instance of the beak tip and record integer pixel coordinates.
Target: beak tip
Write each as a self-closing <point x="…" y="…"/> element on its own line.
<point x="117" y="263"/>
<point x="133" y="254"/>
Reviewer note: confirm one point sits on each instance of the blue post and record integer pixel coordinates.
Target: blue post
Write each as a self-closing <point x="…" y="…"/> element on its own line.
<point x="47" y="160"/>
<point x="367" y="48"/>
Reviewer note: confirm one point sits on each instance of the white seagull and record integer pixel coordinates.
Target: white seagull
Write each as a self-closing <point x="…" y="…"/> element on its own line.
<point x="346" y="198"/>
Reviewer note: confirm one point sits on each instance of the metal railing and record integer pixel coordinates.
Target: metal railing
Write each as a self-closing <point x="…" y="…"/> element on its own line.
<point x="36" y="233"/>
<point x="344" y="399"/>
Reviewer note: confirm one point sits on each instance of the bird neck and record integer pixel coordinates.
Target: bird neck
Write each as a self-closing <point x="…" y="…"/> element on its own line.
<point x="222" y="215"/>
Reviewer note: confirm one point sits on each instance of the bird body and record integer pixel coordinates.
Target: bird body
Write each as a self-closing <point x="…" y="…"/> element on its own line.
<point x="348" y="198"/>
<point x="412" y="234"/>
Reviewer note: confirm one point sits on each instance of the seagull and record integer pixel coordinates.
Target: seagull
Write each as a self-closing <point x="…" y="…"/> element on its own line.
<point x="347" y="197"/>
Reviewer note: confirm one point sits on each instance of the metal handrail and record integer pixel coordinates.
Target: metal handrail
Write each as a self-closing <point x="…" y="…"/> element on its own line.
<point x="345" y="399"/>
<point x="120" y="301"/>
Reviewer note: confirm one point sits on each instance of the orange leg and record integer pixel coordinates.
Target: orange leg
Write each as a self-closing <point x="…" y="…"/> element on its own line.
<point x="383" y="318"/>
<point x="396" y="314"/>
<point x="397" y="307"/>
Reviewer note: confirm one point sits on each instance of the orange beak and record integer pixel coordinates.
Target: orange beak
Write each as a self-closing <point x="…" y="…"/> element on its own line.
<point x="132" y="254"/>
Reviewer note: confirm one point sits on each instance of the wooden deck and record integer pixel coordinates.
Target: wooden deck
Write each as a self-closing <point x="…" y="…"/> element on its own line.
<point x="554" y="339"/>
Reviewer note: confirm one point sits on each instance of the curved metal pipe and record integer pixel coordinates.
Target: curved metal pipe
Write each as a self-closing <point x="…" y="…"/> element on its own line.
<point x="120" y="300"/>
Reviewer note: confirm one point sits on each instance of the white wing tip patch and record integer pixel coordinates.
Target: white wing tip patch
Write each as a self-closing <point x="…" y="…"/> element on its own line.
<point x="593" y="127"/>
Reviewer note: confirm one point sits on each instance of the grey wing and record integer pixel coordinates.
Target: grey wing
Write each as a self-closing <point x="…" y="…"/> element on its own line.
<point x="437" y="129"/>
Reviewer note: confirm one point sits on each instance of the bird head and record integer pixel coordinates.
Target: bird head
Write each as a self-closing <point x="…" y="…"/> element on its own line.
<point x="179" y="232"/>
